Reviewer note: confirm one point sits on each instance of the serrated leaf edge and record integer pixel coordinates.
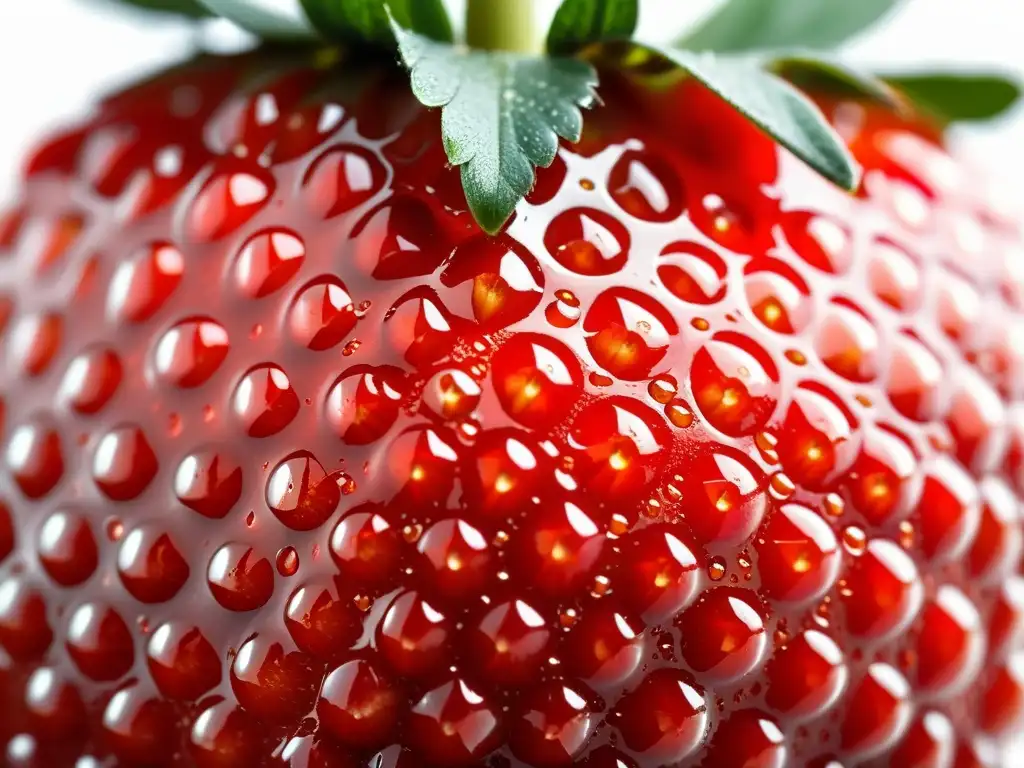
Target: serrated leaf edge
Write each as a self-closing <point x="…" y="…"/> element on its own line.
<point x="489" y="213"/>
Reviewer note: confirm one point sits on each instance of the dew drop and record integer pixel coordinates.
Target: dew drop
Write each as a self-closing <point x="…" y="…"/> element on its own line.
<point x="854" y="540"/>
<point x="716" y="568"/>
<point x="679" y="414"/>
<point x="287" y="561"/>
<point x="663" y="388"/>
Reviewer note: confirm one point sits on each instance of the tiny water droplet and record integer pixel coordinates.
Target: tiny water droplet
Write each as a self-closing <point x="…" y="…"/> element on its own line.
<point x="469" y="430"/>
<point x="564" y="311"/>
<point x="854" y="539"/>
<point x="363" y="602"/>
<point x="780" y="486"/>
<point x="907" y="534"/>
<point x="766" y="443"/>
<point x="716" y="568"/>
<point x="679" y="414"/>
<point x="834" y="504"/>
<point x="287" y="561"/>
<point x="346" y="483"/>
<point x="602" y="585"/>
<point x="618" y="525"/>
<point x="663" y="388"/>
<point x="411" y="533"/>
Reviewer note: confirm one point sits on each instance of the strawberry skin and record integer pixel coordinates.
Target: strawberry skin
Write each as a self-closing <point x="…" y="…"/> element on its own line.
<point x="701" y="463"/>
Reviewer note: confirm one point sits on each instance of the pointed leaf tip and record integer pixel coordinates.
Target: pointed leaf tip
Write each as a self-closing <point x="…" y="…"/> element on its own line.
<point x="502" y="115"/>
<point x="955" y="97"/>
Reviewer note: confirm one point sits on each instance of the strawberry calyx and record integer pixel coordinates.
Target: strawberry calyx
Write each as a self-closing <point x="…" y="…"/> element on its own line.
<point x="506" y="104"/>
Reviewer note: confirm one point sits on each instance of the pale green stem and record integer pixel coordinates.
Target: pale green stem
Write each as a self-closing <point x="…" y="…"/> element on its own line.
<point x="502" y="25"/>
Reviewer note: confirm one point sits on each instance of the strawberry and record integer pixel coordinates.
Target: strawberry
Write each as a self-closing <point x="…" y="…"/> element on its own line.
<point x="698" y="461"/>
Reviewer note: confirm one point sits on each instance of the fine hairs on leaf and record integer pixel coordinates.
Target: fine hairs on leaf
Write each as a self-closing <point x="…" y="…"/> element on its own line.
<point x="502" y="115"/>
<point x="580" y="22"/>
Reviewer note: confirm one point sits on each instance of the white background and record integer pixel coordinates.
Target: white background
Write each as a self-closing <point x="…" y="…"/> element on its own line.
<point x="57" y="55"/>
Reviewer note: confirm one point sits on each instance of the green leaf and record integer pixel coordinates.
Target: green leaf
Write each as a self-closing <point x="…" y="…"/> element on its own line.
<point x="811" y="72"/>
<point x="744" y="25"/>
<point x="357" y="21"/>
<point x="283" y="20"/>
<point x="191" y="8"/>
<point x="776" y="107"/>
<point x="958" y="97"/>
<point x="580" y="22"/>
<point x="501" y="115"/>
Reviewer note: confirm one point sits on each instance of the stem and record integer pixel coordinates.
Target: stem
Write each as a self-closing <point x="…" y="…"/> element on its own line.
<point x="502" y="25"/>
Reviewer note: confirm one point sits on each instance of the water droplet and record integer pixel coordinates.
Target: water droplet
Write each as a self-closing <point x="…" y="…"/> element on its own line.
<point x="716" y="568"/>
<point x="115" y="529"/>
<point x="834" y="504"/>
<point x="287" y="561"/>
<point x="679" y="414"/>
<point x="854" y="539"/>
<point x="663" y="388"/>
<point x="907" y="535"/>
<point x="564" y="311"/>
<point x="781" y="486"/>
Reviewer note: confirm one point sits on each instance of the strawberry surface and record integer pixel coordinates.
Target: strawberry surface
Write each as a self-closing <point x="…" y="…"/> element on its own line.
<point x="700" y="462"/>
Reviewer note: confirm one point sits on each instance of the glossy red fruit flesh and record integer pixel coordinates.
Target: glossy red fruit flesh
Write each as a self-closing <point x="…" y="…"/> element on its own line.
<point x="700" y="463"/>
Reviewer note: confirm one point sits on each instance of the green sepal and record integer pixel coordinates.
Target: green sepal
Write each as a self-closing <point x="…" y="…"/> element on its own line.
<point x="190" y="8"/>
<point x="813" y="73"/>
<point x="748" y="25"/>
<point x="956" y="97"/>
<point x="578" y="23"/>
<point x="502" y="115"/>
<point x="366" y="21"/>
<point x="773" y="105"/>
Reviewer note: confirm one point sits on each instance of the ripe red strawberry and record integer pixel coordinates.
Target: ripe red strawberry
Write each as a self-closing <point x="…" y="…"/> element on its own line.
<point x="700" y="462"/>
